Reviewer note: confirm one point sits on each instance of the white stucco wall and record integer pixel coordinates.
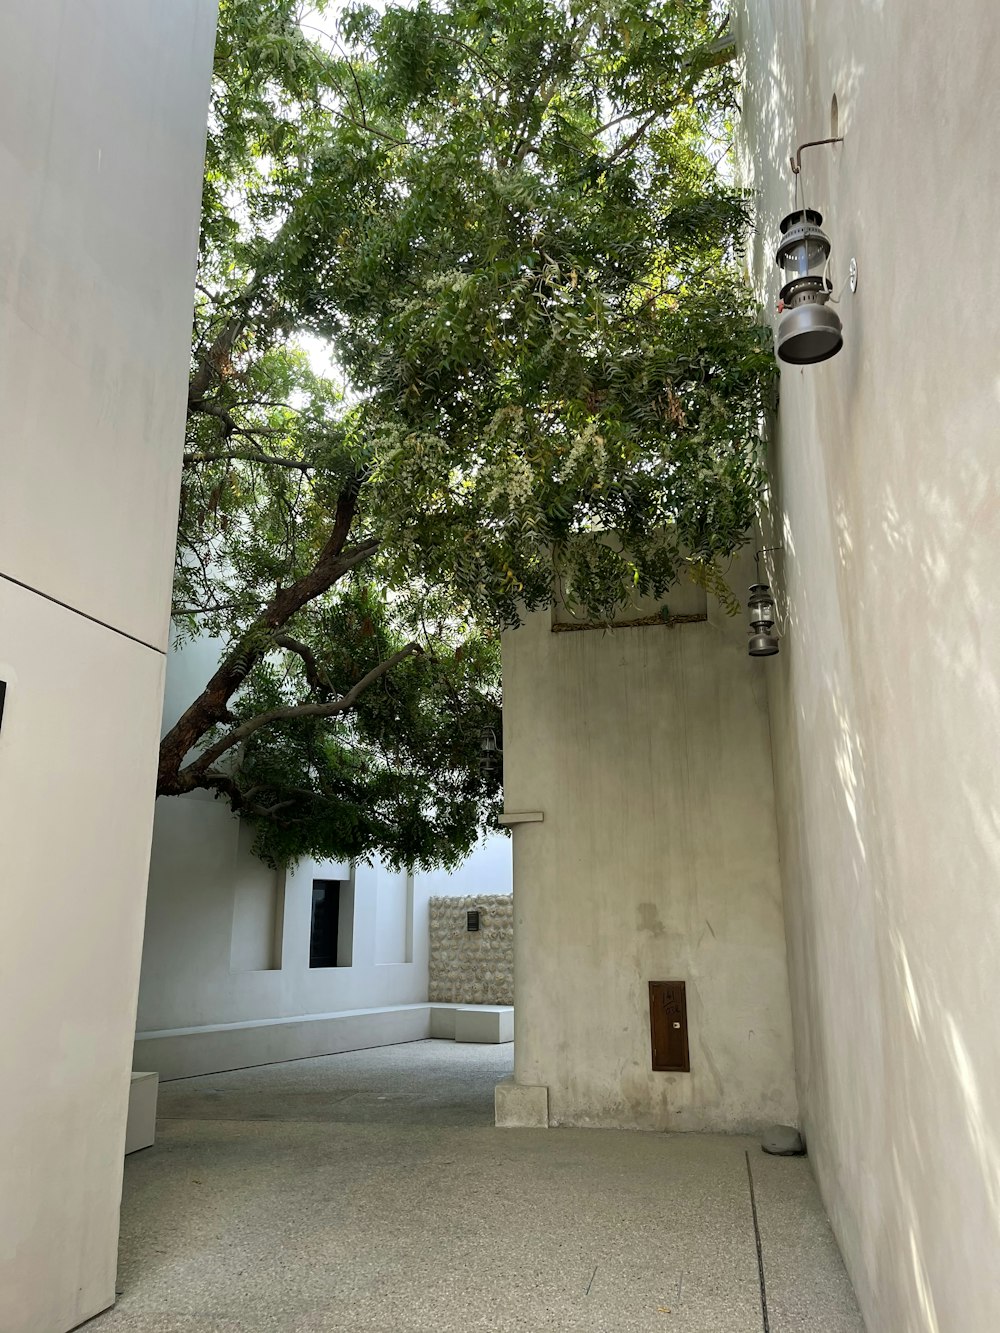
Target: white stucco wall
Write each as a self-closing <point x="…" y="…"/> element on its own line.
<point x="487" y="869"/>
<point x="227" y="939"/>
<point x="885" y="703"/>
<point x="647" y="752"/>
<point x="203" y="876"/>
<point x="102" y="128"/>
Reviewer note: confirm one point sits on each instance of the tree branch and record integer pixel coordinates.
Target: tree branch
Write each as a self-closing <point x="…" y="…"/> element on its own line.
<point x="209" y="408"/>
<point x="318" y="682"/>
<point x="294" y="711"/>
<point x="240" y="800"/>
<point x="219" y="353"/>
<point x="248" y="456"/>
<point x="359" y="125"/>
<point x="355" y="554"/>
<point x="629" y="143"/>
<point x="211" y="706"/>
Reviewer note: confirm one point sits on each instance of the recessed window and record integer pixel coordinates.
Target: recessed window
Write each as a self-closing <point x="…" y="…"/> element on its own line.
<point x="331" y="936"/>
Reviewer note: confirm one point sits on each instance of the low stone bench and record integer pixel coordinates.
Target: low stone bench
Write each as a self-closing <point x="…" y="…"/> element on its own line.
<point x="485" y="1023"/>
<point x="140" y="1128"/>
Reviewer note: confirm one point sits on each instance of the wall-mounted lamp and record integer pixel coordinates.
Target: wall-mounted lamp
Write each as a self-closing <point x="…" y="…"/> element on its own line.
<point x="490" y="752"/>
<point x="808" y="330"/>
<point x="760" y="609"/>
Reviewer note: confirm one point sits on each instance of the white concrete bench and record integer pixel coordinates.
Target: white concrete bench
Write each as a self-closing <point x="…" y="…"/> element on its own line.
<point x="183" y="1052"/>
<point x="140" y="1128"/>
<point x="487" y="1023"/>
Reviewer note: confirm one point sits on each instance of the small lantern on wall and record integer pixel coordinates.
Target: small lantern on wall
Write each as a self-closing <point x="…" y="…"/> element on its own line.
<point x="490" y="752"/>
<point x="760" y="606"/>
<point x="808" y="330"/>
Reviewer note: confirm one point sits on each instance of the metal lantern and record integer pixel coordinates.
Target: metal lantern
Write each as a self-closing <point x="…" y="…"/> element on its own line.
<point x="808" y="330"/>
<point x="760" y="606"/>
<point x="489" y="758"/>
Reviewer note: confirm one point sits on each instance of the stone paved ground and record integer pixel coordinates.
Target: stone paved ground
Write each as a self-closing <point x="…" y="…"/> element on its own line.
<point x="370" y="1191"/>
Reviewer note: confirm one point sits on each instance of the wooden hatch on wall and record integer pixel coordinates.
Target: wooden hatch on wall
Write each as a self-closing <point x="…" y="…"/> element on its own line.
<point x="668" y="1027"/>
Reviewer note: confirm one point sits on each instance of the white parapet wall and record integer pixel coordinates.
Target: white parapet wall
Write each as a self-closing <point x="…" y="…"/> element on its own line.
<point x="210" y="1048"/>
<point x="187" y="1052"/>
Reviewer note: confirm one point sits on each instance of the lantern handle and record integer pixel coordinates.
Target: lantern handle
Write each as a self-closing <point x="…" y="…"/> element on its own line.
<point x="796" y="161"/>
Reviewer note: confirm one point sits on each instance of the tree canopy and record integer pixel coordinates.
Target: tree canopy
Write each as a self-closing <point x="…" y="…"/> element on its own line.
<point x="504" y="230"/>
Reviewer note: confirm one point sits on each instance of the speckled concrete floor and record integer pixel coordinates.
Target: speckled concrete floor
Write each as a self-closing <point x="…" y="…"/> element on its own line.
<point x="370" y="1191"/>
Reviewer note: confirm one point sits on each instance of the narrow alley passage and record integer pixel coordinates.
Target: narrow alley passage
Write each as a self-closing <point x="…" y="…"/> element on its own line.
<point x="370" y="1191"/>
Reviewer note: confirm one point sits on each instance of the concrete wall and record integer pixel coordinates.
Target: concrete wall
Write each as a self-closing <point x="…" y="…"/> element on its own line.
<point x="472" y="966"/>
<point x="227" y="939"/>
<point x="647" y="752"/>
<point x="102" y="127"/>
<point x="214" y="908"/>
<point x="885" y="703"/>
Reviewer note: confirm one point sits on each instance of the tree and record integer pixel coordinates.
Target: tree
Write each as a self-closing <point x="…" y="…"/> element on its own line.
<point x="504" y="222"/>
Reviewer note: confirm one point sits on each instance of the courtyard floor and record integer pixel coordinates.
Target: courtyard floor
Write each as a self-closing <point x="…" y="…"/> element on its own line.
<point x="370" y="1191"/>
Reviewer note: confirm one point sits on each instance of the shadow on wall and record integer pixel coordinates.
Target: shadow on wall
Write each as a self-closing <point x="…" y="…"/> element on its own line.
<point x="885" y="699"/>
<point x="472" y="966"/>
<point x="846" y="934"/>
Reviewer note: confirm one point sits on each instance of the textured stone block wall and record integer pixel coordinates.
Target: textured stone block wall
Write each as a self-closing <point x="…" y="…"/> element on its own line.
<point x="468" y="966"/>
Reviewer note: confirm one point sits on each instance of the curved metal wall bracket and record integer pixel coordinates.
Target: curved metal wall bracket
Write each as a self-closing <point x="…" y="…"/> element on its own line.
<point x="796" y="161"/>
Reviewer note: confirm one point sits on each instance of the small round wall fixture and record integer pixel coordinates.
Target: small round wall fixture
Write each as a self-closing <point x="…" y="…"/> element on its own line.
<point x="760" y="606"/>
<point x="808" y="330"/>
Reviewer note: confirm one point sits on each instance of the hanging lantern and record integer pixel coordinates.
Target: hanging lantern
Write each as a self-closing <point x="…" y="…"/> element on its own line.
<point x="490" y="752"/>
<point x="808" y="330"/>
<point x="760" y="606"/>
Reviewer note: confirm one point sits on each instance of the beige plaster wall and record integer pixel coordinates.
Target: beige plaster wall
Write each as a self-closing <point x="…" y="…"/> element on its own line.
<point x="885" y="701"/>
<point x="647" y="751"/>
<point x="102" y="127"/>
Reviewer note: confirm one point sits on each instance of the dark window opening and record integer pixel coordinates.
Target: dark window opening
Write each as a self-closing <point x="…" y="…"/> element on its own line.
<point x="325" y="933"/>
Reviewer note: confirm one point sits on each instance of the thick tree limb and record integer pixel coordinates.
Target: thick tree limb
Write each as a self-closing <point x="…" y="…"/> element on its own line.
<point x="294" y="711"/>
<point x="219" y="353"/>
<point x="355" y="554"/>
<point x="209" y="408"/>
<point x="334" y="561"/>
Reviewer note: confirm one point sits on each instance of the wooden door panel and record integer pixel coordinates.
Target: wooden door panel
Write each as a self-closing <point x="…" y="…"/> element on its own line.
<point x="668" y="1028"/>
